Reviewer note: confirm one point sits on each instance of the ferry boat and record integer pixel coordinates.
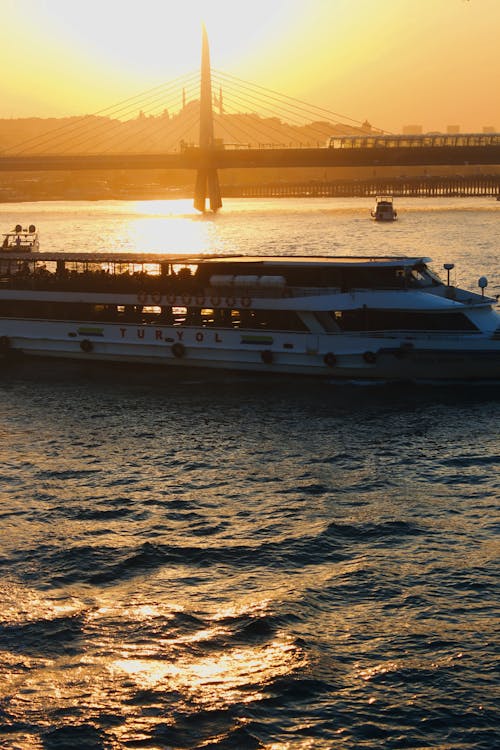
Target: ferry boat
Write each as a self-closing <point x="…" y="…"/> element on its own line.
<point x="384" y="209"/>
<point x="369" y="318"/>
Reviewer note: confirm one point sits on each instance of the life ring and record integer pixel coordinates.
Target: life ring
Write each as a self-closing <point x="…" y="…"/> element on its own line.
<point x="266" y="356"/>
<point x="4" y="344"/>
<point x="142" y="297"/>
<point x="370" y="357"/>
<point x="330" y="359"/>
<point x="178" y="350"/>
<point x="86" y="345"/>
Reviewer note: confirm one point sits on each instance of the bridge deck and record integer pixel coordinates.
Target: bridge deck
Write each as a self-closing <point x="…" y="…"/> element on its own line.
<point x="253" y="158"/>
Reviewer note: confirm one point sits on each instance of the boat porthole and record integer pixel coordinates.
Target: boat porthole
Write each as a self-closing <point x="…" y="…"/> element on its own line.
<point x="266" y="356"/>
<point x="370" y="357"/>
<point x="178" y="350"/>
<point x="86" y="345"/>
<point x="4" y="343"/>
<point x="330" y="359"/>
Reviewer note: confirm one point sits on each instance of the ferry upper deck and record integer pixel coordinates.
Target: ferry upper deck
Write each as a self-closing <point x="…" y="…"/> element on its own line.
<point x="312" y="261"/>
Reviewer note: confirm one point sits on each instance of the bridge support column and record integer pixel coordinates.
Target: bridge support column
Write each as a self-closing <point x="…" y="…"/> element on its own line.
<point x="207" y="179"/>
<point x="207" y="186"/>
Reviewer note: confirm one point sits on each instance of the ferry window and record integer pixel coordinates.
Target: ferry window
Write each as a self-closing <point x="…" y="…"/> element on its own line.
<point x="152" y="309"/>
<point x="130" y="314"/>
<point x="322" y="277"/>
<point x="207" y="316"/>
<point x="417" y="278"/>
<point x="179" y="315"/>
<point x="328" y="322"/>
<point x="388" y="320"/>
<point x="46" y="310"/>
<point x="223" y="317"/>
<point x="376" y="278"/>
<point x="421" y="276"/>
<point x="280" y="320"/>
<point x="148" y="313"/>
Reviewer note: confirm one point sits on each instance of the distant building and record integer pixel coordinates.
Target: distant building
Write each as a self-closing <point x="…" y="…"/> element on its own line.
<point x="453" y="129"/>
<point x="412" y="130"/>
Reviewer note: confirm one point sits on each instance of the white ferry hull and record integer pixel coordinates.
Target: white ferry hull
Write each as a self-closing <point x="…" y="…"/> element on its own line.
<point x="335" y="355"/>
<point x="385" y="318"/>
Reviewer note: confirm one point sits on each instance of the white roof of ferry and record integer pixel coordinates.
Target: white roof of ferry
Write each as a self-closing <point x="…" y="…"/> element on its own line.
<point x="264" y="260"/>
<point x="321" y="260"/>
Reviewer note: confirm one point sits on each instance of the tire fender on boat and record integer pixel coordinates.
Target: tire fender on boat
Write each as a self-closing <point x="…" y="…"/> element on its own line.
<point x="86" y="345"/>
<point x="4" y="344"/>
<point x="330" y="359"/>
<point x="178" y="349"/>
<point x="266" y="356"/>
<point x="370" y="357"/>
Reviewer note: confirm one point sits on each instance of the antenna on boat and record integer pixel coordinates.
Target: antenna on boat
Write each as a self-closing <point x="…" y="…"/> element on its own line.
<point x="482" y="284"/>
<point x="448" y="267"/>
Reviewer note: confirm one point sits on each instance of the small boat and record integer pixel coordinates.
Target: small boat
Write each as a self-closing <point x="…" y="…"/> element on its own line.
<point x="384" y="209"/>
<point x="21" y="240"/>
<point x="362" y="318"/>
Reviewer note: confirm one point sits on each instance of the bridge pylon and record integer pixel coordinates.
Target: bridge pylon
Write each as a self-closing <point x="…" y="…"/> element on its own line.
<point x="207" y="179"/>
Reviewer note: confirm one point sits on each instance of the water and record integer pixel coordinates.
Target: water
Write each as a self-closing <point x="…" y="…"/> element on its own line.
<point x="215" y="561"/>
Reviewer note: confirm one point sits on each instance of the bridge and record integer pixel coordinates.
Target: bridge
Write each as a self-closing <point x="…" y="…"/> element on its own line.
<point x="353" y="145"/>
<point x="220" y="158"/>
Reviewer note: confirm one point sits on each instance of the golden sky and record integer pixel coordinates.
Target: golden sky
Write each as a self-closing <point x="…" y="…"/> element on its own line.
<point x="428" y="62"/>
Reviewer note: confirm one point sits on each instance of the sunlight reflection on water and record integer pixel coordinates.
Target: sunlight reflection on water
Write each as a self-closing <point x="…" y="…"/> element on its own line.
<point x="240" y="562"/>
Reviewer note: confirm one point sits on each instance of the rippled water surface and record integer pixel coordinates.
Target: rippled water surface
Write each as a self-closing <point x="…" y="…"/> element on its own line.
<point x="217" y="561"/>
